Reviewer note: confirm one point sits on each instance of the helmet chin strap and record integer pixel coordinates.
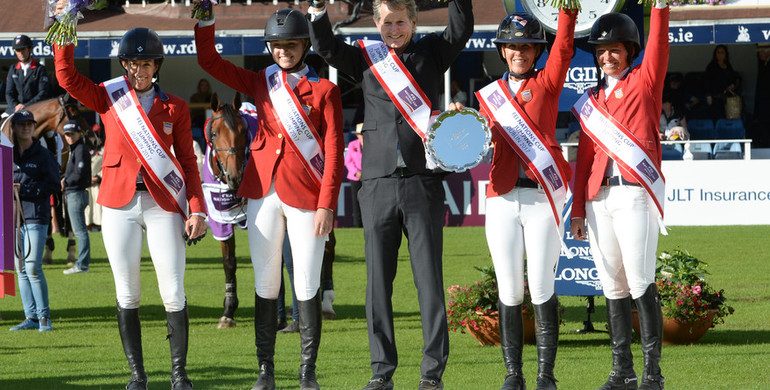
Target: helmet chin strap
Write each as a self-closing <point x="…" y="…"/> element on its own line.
<point x="527" y="75"/>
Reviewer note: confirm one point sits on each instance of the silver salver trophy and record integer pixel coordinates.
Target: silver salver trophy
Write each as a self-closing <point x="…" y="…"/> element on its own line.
<point x="458" y="140"/>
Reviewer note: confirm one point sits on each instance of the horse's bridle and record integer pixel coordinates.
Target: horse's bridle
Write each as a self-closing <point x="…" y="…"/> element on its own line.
<point x="63" y="103"/>
<point x="210" y="135"/>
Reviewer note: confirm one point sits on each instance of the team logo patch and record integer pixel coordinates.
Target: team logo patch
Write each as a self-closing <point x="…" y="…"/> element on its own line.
<point x="410" y="98"/>
<point x="586" y="110"/>
<point x="496" y="99"/>
<point x="648" y="170"/>
<point x="274" y="81"/>
<point x="168" y="127"/>
<point x="174" y="181"/>
<point x="526" y="95"/>
<point x="553" y="177"/>
<point x="618" y="93"/>
<point x="307" y="110"/>
<point x="317" y="162"/>
<point x="121" y="99"/>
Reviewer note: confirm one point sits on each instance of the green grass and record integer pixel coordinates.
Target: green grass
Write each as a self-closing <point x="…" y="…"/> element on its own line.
<point x="84" y="352"/>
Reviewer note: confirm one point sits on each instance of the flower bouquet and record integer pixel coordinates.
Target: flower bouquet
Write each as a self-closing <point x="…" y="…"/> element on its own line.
<point x="63" y="27"/>
<point x="203" y="10"/>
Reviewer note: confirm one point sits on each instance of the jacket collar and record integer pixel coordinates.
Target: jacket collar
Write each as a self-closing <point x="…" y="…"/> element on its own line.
<point x="32" y="63"/>
<point x="159" y="93"/>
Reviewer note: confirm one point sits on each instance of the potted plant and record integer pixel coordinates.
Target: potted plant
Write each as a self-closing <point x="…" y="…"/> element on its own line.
<point x="473" y="308"/>
<point x="690" y="305"/>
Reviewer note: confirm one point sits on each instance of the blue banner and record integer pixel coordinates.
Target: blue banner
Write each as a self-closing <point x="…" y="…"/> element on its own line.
<point x="576" y="276"/>
<point x="480" y="41"/>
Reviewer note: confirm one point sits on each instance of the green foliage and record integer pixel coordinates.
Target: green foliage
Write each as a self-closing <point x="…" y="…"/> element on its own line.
<point x="684" y="294"/>
<point x="467" y="303"/>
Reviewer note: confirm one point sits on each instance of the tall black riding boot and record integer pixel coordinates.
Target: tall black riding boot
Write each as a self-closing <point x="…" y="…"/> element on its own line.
<point x="178" y="326"/>
<point x="512" y="343"/>
<point x="547" y="336"/>
<point x="651" y="329"/>
<point x="131" y="334"/>
<point x="619" y="320"/>
<point x="265" y="313"/>
<point x="310" y="339"/>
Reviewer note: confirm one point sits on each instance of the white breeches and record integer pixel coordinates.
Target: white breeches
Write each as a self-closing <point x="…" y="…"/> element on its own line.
<point x="268" y="218"/>
<point x="122" y="231"/>
<point x="517" y="221"/>
<point x="623" y="233"/>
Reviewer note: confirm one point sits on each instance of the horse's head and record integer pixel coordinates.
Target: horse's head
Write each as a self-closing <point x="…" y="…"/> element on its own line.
<point x="226" y="136"/>
<point x="71" y="111"/>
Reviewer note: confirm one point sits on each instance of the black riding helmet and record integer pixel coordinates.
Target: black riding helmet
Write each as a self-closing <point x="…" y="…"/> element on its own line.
<point x="22" y="41"/>
<point x="616" y="27"/>
<point x="141" y="43"/>
<point x="520" y="27"/>
<point x="284" y="24"/>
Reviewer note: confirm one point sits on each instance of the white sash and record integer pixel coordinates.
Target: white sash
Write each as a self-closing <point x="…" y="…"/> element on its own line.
<point x="162" y="167"/>
<point x="521" y="133"/>
<point x="623" y="147"/>
<point x="294" y="123"/>
<point x="403" y="90"/>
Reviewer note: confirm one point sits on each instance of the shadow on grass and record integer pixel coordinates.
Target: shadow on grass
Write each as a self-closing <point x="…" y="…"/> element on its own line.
<point x="735" y="337"/>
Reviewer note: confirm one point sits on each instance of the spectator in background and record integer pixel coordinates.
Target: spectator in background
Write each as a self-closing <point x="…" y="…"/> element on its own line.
<point x="27" y="82"/>
<point x="198" y="115"/>
<point x="761" y="126"/>
<point x="93" y="211"/>
<point x="673" y="125"/>
<point x="675" y="90"/>
<point x="353" y="165"/>
<point x="723" y="81"/>
<point x="36" y="176"/>
<point x="77" y="180"/>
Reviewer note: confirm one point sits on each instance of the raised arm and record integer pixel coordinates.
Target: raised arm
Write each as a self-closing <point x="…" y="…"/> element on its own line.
<point x="80" y="87"/>
<point x="346" y="58"/>
<point x="457" y="32"/>
<point x="235" y="77"/>
<point x="655" y="62"/>
<point x="560" y="56"/>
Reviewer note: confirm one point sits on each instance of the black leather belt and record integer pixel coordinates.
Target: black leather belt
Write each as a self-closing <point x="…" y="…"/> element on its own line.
<point x="616" y="181"/>
<point x="401" y="172"/>
<point x="140" y="186"/>
<point x="527" y="183"/>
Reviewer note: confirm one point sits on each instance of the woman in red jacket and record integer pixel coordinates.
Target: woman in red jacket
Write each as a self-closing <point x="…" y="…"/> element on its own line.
<point x="291" y="181"/>
<point x="527" y="185"/>
<point x="144" y="187"/>
<point x="619" y="188"/>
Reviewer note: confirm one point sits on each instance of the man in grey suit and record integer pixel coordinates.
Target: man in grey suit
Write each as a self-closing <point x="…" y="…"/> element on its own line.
<point x="399" y="194"/>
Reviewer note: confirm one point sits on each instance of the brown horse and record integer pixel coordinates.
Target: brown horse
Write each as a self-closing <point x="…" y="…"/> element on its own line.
<point x="227" y="143"/>
<point x="226" y="136"/>
<point x="53" y="114"/>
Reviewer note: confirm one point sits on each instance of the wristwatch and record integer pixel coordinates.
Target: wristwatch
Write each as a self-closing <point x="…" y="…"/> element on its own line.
<point x="591" y="10"/>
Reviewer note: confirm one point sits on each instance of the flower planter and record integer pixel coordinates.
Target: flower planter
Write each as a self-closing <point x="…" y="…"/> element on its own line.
<point x="675" y="333"/>
<point x="488" y="332"/>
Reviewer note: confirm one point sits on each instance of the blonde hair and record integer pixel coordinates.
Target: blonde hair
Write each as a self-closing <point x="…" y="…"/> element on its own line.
<point x="410" y="5"/>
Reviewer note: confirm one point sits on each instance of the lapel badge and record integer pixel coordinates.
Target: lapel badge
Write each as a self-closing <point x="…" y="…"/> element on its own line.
<point x="526" y="95"/>
<point x="618" y="93"/>
<point x="168" y="127"/>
